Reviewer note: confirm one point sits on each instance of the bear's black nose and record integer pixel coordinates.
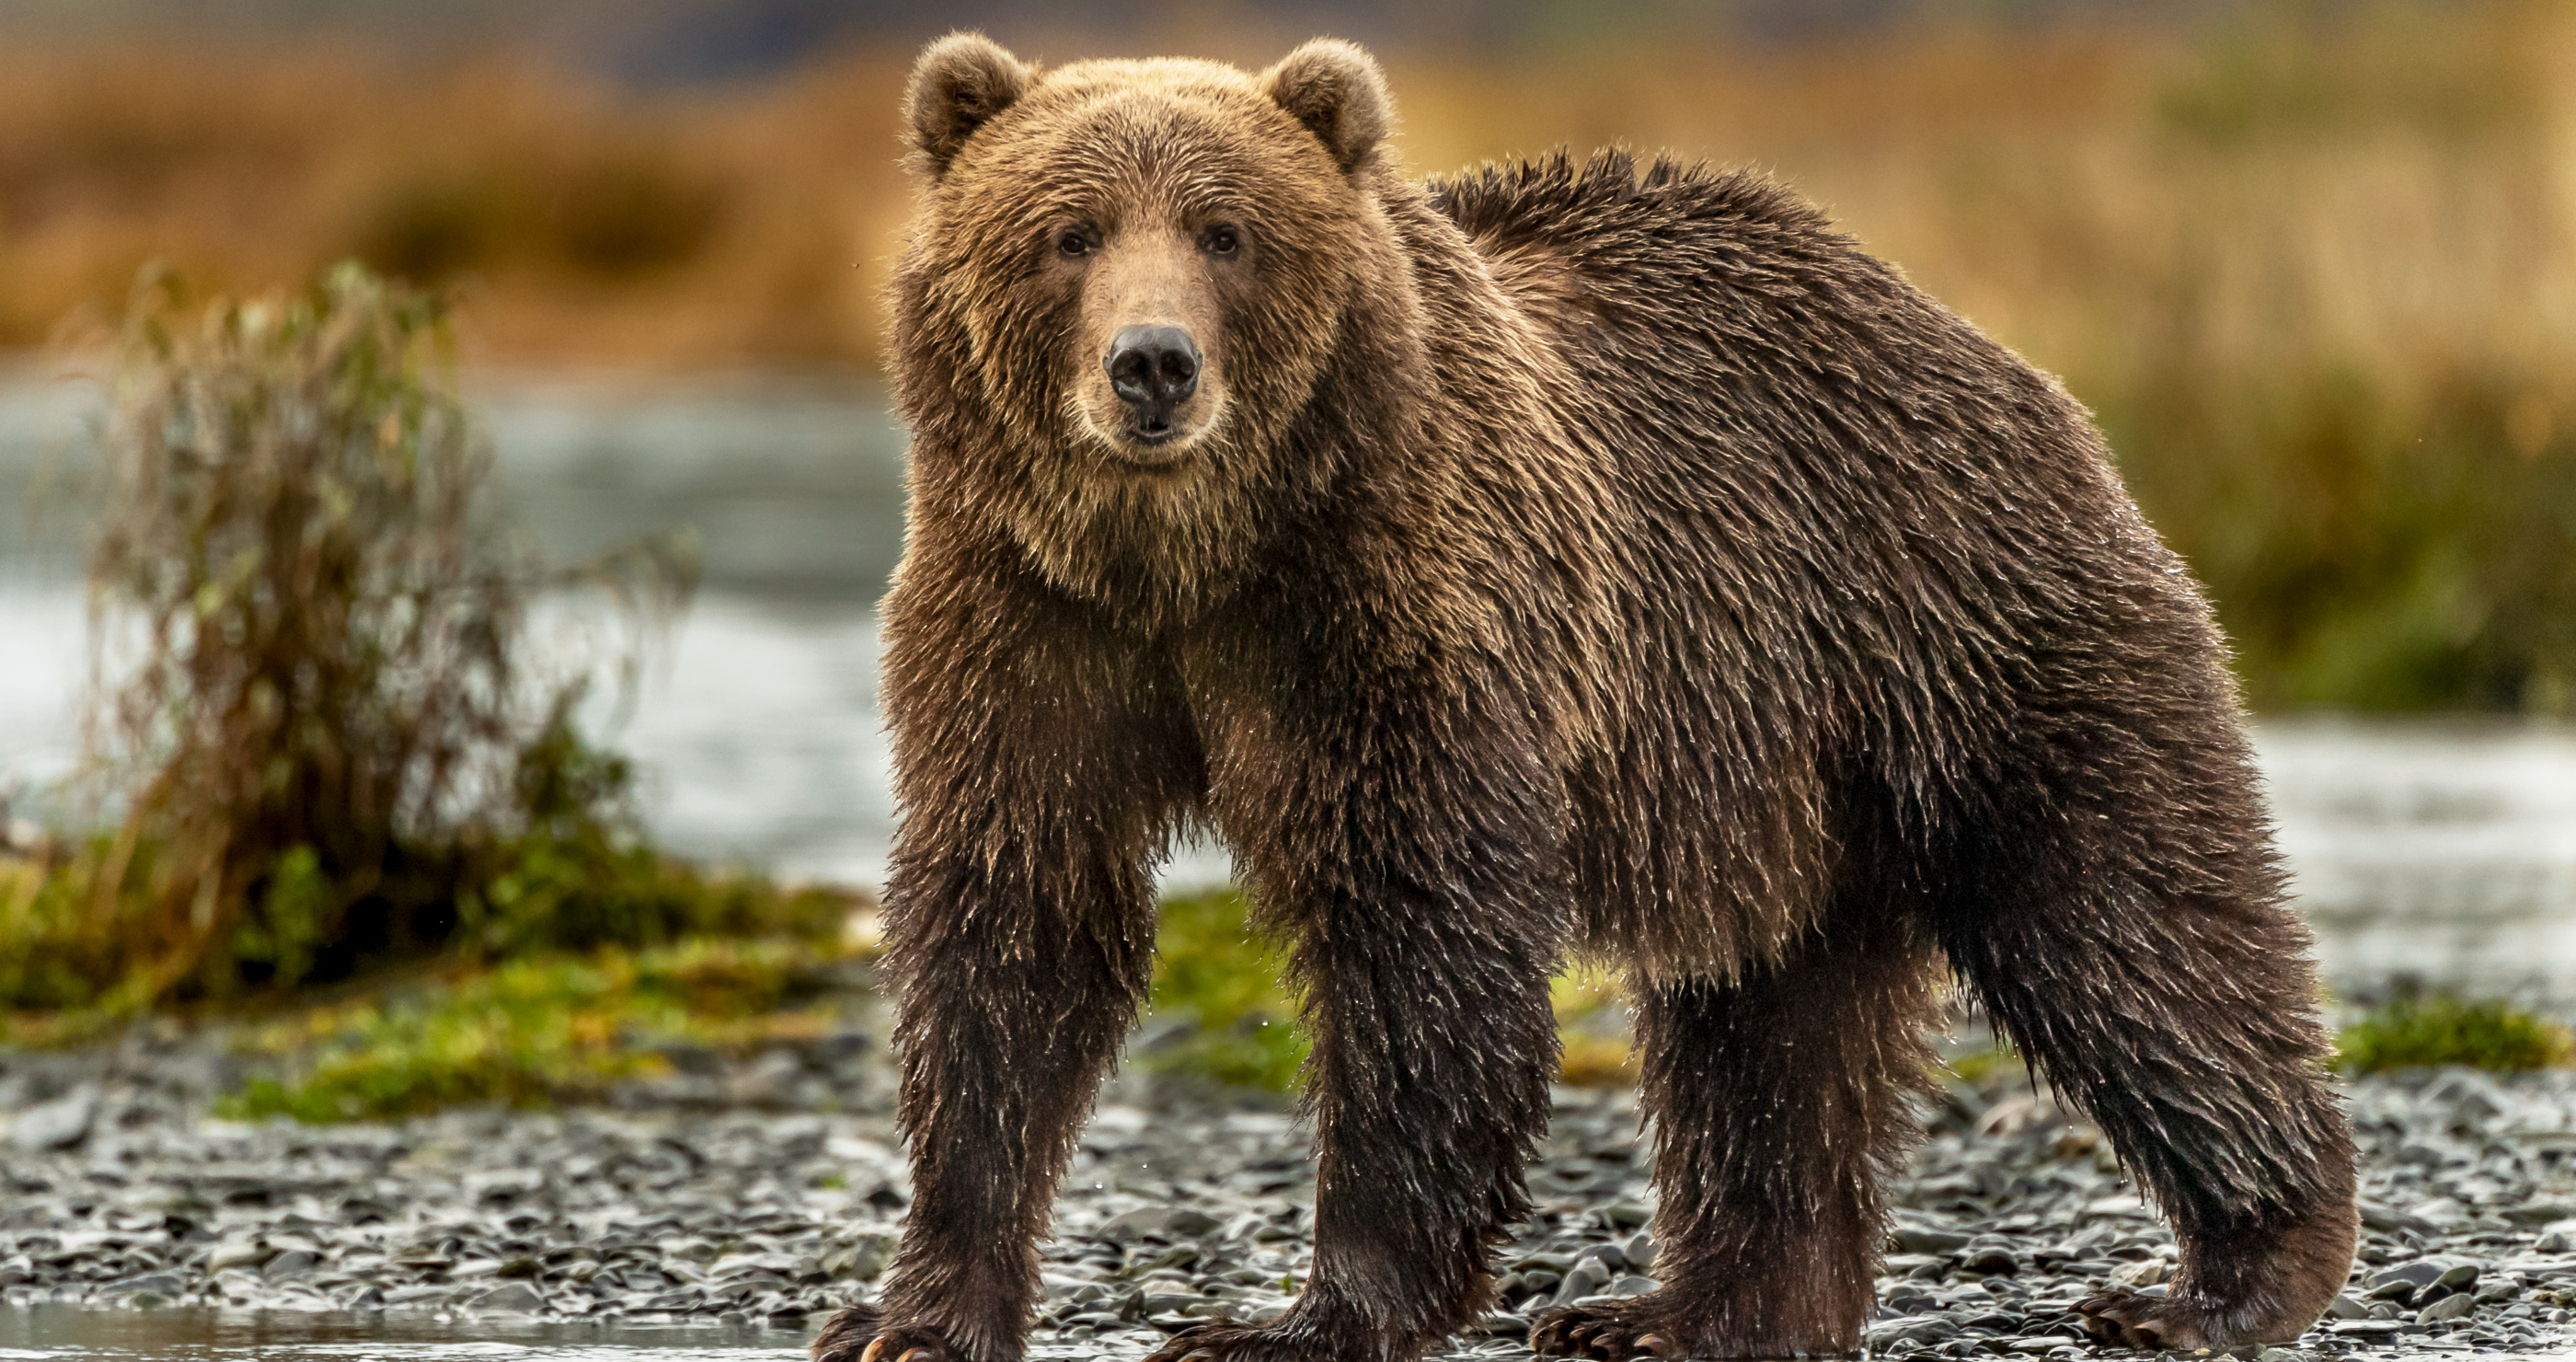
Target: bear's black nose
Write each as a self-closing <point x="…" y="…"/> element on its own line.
<point x="1154" y="369"/>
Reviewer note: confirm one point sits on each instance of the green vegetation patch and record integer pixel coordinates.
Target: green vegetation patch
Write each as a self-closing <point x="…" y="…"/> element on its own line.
<point x="1592" y="1027"/>
<point x="1222" y="987"/>
<point x="1221" y="1011"/>
<point x="328" y="751"/>
<point x="537" y="1031"/>
<point x="1975" y="1067"/>
<point x="2437" y="1029"/>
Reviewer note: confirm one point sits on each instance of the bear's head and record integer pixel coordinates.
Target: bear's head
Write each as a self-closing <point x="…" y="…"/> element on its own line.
<point x="1129" y="286"/>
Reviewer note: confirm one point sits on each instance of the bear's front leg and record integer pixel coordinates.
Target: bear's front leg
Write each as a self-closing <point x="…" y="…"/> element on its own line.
<point x="1422" y="889"/>
<point x="1434" y="1044"/>
<point x="1011" y="1009"/>
<point x="1035" y="772"/>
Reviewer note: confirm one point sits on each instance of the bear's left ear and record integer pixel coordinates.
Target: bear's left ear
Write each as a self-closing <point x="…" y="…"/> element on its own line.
<point x="1335" y="90"/>
<point x="958" y="85"/>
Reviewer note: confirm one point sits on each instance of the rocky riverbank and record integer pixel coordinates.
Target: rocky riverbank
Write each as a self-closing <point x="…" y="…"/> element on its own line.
<point x="727" y="1193"/>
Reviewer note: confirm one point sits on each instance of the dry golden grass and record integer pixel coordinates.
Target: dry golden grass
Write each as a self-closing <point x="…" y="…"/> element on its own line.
<point x="585" y="225"/>
<point x="2377" y="188"/>
<point x="2315" y="269"/>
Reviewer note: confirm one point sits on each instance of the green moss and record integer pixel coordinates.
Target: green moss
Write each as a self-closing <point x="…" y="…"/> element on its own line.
<point x="1235" y="1021"/>
<point x="580" y="874"/>
<point x="1215" y="976"/>
<point x="2437" y="1029"/>
<point x="1592" y="1027"/>
<point x="1976" y="1066"/>
<point x="535" y="1031"/>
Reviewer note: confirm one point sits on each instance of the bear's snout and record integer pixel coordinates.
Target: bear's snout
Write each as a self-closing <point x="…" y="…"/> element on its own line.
<point x="1153" y="369"/>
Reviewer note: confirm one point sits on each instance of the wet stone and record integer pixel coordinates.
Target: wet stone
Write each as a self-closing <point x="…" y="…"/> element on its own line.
<point x="1173" y="1213"/>
<point x="162" y="1283"/>
<point x="513" y="1298"/>
<point x="2417" y="1274"/>
<point x="1992" y="1258"/>
<point x="1927" y="1240"/>
<point x="288" y="1264"/>
<point x="57" y="1124"/>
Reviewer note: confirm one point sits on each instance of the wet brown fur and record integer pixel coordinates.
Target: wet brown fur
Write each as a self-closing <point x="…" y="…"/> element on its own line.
<point x="1563" y="558"/>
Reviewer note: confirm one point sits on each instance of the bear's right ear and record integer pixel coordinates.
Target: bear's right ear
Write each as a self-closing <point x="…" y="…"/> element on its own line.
<point x="959" y="84"/>
<point x="1335" y="90"/>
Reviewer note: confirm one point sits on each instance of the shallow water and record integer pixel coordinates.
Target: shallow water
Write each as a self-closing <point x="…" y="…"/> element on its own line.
<point x="194" y="1334"/>
<point x="184" y="1335"/>
<point x="2441" y="850"/>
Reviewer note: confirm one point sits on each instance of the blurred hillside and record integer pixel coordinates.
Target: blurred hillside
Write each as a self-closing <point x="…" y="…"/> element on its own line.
<point x="662" y="41"/>
<point x="2315" y="267"/>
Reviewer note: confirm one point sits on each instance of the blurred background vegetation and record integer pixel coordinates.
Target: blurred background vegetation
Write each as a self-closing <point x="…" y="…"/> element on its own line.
<point x="322" y="751"/>
<point x="2312" y="264"/>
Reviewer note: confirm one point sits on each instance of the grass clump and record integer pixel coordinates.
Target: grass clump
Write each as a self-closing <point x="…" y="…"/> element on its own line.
<point x="2412" y="1030"/>
<point x="315" y="721"/>
<point x="535" y="1031"/>
<point x="319" y="699"/>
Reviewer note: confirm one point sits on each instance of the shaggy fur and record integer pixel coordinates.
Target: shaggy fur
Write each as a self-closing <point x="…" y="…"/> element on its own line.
<point x="1561" y="558"/>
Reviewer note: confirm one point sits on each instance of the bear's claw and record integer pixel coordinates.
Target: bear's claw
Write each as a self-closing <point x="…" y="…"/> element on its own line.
<point x="1605" y="1332"/>
<point x="1227" y="1340"/>
<point x="841" y="1339"/>
<point x="2131" y="1319"/>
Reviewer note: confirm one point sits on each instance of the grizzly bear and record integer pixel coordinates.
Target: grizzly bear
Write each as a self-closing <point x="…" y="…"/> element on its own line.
<point x="1557" y="559"/>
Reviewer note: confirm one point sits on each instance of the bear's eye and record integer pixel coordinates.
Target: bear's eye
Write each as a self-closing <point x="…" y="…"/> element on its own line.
<point x="1222" y="239"/>
<point x="1073" y="242"/>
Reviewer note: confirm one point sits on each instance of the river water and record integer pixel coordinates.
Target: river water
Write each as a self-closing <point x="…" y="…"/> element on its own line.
<point x="203" y="1335"/>
<point x="2435" y="849"/>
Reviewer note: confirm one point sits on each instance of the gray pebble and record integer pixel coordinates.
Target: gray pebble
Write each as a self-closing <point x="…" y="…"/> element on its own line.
<point x="58" y="1124"/>
<point x="2420" y="1273"/>
<point x="1991" y="1259"/>
<point x="1586" y="1278"/>
<point x="778" y="1217"/>
<point x="163" y="1283"/>
<point x="289" y="1264"/>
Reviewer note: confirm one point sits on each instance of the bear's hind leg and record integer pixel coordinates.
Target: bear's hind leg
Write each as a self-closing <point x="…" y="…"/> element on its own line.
<point x="2153" y="973"/>
<point x="1779" y="1101"/>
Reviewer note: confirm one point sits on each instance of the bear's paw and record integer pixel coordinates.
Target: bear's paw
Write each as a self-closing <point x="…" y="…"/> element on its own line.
<point x="2131" y="1319"/>
<point x="858" y="1334"/>
<point x="1607" y="1332"/>
<point x="1286" y="1339"/>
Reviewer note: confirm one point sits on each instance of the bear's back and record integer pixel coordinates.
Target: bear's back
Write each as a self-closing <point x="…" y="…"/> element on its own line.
<point x="1819" y="460"/>
<point x="1747" y="370"/>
